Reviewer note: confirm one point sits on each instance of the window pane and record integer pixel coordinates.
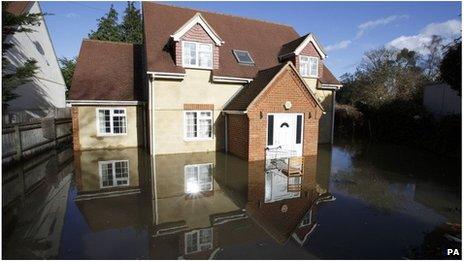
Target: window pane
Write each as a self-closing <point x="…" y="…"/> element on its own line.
<point x="119" y="124"/>
<point x="243" y="57"/>
<point x="270" y="130"/>
<point x="313" y="67"/>
<point x="191" y="124"/>
<point x="104" y="121"/>
<point x="107" y="174"/>
<point x="204" y="128"/>
<point x="205" y="236"/>
<point x="205" y="55"/>
<point x="298" y="128"/>
<point x="189" y="53"/>
<point x="191" y="241"/>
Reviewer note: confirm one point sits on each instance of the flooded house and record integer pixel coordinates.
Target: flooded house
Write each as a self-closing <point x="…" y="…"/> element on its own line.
<point x="204" y="82"/>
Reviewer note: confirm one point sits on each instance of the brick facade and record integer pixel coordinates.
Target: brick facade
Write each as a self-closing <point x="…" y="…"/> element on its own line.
<point x="191" y="106"/>
<point x="310" y="50"/>
<point x="247" y="133"/>
<point x="75" y="128"/>
<point x="196" y="34"/>
<point x="237" y="135"/>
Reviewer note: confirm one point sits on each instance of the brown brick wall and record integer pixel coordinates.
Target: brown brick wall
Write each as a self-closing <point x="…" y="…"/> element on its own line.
<point x="75" y="128"/>
<point x="192" y="106"/>
<point x="237" y="135"/>
<point x="287" y="87"/>
<point x="196" y="34"/>
<point x="310" y="50"/>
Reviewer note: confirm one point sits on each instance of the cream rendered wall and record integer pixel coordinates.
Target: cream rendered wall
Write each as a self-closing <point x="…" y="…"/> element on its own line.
<point x="88" y="174"/>
<point x="325" y="98"/>
<point x="169" y="98"/>
<point x="88" y="138"/>
<point x="47" y="88"/>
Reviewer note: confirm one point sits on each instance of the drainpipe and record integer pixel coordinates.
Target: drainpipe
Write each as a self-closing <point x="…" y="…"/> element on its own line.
<point x="151" y="121"/>
<point x="225" y="133"/>
<point x="333" y="118"/>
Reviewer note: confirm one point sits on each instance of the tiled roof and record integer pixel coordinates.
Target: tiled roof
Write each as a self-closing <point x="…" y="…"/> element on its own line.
<point x="107" y="71"/>
<point x="328" y="77"/>
<point x="18" y="7"/>
<point x="263" y="40"/>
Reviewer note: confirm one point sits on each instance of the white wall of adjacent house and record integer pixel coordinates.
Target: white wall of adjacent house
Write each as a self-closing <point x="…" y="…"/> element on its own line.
<point x="47" y="89"/>
<point x="441" y="100"/>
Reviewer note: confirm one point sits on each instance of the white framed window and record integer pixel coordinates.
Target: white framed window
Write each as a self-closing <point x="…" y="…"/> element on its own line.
<point x="111" y="121"/>
<point x="197" y="55"/>
<point x="198" y="240"/>
<point x="309" y="66"/>
<point x="198" y="125"/>
<point x="113" y="173"/>
<point x="198" y="178"/>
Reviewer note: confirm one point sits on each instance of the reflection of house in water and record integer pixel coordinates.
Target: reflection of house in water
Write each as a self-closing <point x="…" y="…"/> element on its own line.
<point x="194" y="205"/>
<point x="206" y="202"/>
<point x="109" y="188"/>
<point x="277" y="210"/>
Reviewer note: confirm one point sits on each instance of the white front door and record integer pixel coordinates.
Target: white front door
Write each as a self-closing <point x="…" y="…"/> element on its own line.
<point x="285" y="132"/>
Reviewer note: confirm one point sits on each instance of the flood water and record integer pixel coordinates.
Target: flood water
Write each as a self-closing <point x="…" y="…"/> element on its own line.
<point x="352" y="202"/>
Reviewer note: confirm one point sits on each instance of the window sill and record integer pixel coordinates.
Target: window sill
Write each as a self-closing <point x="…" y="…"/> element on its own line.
<point x="111" y="135"/>
<point x="198" y="139"/>
<point x="197" y="67"/>
<point x="310" y="77"/>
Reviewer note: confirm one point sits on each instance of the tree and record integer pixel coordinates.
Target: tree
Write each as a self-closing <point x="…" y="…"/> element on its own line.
<point x="131" y="27"/>
<point x="432" y="60"/>
<point x="450" y="67"/>
<point x="14" y="76"/>
<point x="67" y="66"/>
<point x="108" y="27"/>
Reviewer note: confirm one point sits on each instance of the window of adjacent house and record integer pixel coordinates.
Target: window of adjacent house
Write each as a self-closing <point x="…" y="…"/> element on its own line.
<point x="299" y="119"/>
<point x="198" y="240"/>
<point x="198" y="178"/>
<point x="243" y="57"/>
<point x="198" y="125"/>
<point x="112" y="121"/>
<point x="270" y="130"/>
<point x="114" y="173"/>
<point x="199" y="55"/>
<point x="308" y="66"/>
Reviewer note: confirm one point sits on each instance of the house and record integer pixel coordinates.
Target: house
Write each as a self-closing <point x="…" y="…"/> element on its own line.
<point x="441" y="100"/>
<point x="204" y="82"/>
<point x="46" y="91"/>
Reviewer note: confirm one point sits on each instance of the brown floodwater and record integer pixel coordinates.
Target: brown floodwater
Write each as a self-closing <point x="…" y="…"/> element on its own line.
<point x="361" y="201"/>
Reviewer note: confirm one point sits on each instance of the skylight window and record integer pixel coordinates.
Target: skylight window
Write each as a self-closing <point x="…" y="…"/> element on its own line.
<point x="243" y="57"/>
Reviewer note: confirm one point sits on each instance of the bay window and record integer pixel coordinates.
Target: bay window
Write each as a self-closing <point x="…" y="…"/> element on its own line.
<point x="308" y="66"/>
<point x="197" y="55"/>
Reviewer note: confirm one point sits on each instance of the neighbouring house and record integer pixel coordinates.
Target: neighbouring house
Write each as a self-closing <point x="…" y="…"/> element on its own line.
<point x="46" y="91"/>
<point x="441" y="100"/>
<point x="203" y="82"/>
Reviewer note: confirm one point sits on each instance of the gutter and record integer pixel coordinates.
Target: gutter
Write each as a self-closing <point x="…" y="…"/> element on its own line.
<point x="335" y="87"/>
<point x="231" y="79"/>
<point x="102" y="102"/>
<point x="167" y="75"/>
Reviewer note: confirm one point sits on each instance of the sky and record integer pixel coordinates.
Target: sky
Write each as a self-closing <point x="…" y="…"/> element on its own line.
<point x="345" y="29"/>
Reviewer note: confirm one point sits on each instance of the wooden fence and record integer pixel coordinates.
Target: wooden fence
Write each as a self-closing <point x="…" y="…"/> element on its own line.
<point x="26" y="139"/>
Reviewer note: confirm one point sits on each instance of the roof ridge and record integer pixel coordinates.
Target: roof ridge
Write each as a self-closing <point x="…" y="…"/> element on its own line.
<point x="218" y="13"/>
<point x="106" y="41"/>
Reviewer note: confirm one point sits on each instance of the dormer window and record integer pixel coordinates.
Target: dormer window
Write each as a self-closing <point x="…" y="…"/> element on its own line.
<point x="243" y="57"/>
<point x="308" y="66"/>
<point x="197" y="55"/>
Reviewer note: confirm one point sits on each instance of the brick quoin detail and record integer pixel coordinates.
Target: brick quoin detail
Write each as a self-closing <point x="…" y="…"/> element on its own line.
<point x="196" y="34"/>
<point x="189" y="106"/>
<point x="75" y="128"/>
<point x="286" y="87"/>
<point x="310" y="50"/>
